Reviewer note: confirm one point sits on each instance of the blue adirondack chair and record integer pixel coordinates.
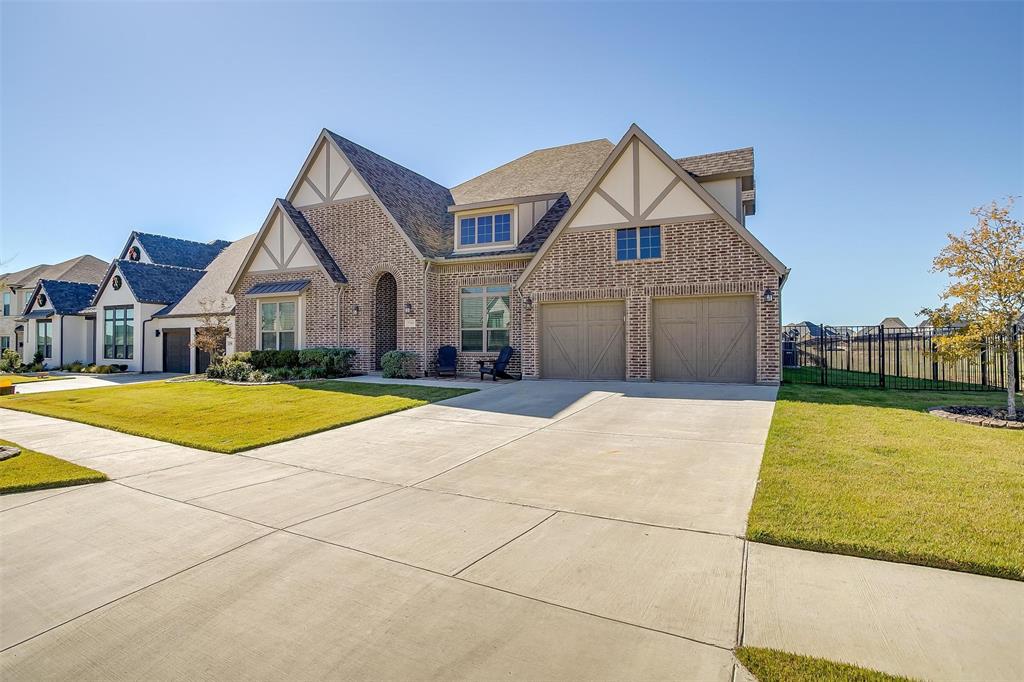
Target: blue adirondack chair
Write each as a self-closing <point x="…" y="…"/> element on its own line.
<point x="447" y="361"/>
<point x="497" y="368"/>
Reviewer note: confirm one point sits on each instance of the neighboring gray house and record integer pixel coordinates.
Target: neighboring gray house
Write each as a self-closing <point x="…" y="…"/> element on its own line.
<point x="17" y="291"/>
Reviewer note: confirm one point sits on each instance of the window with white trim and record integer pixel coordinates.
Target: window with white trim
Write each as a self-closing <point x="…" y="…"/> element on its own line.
<point x="495" y="228"/>
<point x="44" y="338"/>
<point x="486" y="313"/>
<point x="5" y="342"/>
<point x="7" y="304"/>
<point x="278" y="322"/>
<point x="119" y="332"/>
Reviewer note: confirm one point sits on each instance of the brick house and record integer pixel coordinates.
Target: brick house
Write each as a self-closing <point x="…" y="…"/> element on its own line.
<point x="593" y="260"/>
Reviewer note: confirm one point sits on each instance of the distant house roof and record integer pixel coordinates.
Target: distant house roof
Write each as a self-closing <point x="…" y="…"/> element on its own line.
<point x="313" y="241"/>
<point x="67" y="298"/>
<point x="418" y="204"/>
<point x="211" y="294"/>
<point x="278" y="287"/>
<point x="79" y="269"/>
<point x="810" y="329"/>
<point x="182" y="253"/>
<point x="158" y="283"/>
<point x="893" y="323"/>
<point x="732" y="162"/>
<point x="554" y="170"/>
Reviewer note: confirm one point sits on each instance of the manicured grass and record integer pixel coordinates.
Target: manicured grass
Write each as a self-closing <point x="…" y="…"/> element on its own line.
<point x="842" y="377"/>
<point x="33" y="470"/>
<point x="27" y="379"/>
<point x="225" y="418"/>
<point x="769" y="665"/>
<point x="869" y="473"/>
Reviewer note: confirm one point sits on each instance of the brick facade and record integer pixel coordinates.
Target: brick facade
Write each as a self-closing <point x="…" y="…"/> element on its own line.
<point x="699" y="258"/>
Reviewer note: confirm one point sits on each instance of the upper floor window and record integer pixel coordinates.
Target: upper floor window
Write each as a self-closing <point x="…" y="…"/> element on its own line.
<point x="638" y="243"/>
<point x="485" y="229"/>
<point x="277" y="325"/>
<point x="27" y="298"/>
<point x="119" y="332"/>
<point x="7" y="303"/>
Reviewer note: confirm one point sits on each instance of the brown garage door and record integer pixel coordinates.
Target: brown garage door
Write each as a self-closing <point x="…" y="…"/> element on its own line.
<point x="176" y="350"/>
<point x="583" y="340"/>
<point x="704" y="339"/>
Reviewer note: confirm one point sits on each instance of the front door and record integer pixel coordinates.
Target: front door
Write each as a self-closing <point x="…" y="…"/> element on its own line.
<point x="385" y="312"/>
<point x="176" y="350"/>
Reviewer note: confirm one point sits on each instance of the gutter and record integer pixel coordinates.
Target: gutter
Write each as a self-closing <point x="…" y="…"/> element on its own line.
<point x="61" y="358"/>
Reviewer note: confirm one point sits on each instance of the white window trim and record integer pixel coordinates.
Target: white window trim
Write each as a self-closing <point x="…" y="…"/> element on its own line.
<point x="300" y="317"/>
<point x="484" y="295"/>
<point x="512" y="210"/>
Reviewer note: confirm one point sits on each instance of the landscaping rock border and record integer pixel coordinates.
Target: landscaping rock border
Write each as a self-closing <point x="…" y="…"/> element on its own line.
<point x="6" y="452"/>
<point x="979" y="416"/>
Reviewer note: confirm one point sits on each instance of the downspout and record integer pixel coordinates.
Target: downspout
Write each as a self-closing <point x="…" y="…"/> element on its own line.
<point x="426" y="327"/>
<point x="61" y="356"/>
<point x="339" y="316"/>
<point x="142" y="359"/>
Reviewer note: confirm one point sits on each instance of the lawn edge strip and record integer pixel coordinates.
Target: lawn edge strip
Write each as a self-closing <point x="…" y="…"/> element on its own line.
<point x="754" y="658"/>
<point x="878" y="554"/>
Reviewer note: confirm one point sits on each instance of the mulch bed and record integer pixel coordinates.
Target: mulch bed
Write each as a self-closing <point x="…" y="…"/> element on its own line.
<point x="992" y="417"/>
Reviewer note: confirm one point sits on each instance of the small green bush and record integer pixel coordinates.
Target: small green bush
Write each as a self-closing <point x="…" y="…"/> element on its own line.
<point x="37" y="359"/>
<point x="399" y="364"/>
<point x="10" y="361"/>
<point x="242" y="356"/>
<point x="104" y="369"/>
<point x="235" y="370"/>
<point x="263" y="359"/>
<point x="280" y="373"/>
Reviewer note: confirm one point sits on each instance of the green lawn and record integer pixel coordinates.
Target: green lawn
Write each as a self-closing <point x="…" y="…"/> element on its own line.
<point x="28" y="379"/>
<point x="769" y="665"/>
<point x="225" y="418"/>
<point x="869" y="473"/>
<point x="33" y="470"/>
<point x="842" y="377"/>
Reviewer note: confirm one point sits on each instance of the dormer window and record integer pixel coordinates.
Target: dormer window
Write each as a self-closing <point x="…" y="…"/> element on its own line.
<point x="483" y="230"/>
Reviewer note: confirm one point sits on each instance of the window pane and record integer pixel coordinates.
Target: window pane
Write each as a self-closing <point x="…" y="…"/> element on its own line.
<point x="497" y="339"/>
<point x="625" y="244"/>
<point x="129" y="352"/>
<point x="472" y="290"/>
<point x="108" y="351"/>
<point x="129" y="313"/>
<point x="473" y="312"/>
<point x="269" y="341"/>
<point x="119" y="332"/>
<point x="472" y="340"/>
<point x="287" y="340"/>
<point x="268" y="314"/>
<point x="468" y="231"/>
<point x="286" y="321"/>
<point x="498" y="312"/>
<point x="129" y="326"/>
<point x="650" y="242"/>
<point x="108" y="332"/>
<point x="503" y="227"/>
<point x="485" y="229"/>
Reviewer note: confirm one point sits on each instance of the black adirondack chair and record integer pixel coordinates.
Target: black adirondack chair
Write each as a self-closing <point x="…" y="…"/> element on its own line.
<point x="497" y="368"/>
<point x="447" y="361"/>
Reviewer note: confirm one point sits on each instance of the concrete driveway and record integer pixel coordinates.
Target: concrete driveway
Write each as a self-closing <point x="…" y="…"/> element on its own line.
<point x="530" y="530"/>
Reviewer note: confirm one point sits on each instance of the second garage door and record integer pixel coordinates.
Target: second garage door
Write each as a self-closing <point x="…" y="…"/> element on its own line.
<point x="583" y="340"/>
<point x="704" y="339"/>
<point x="176" y="350"/>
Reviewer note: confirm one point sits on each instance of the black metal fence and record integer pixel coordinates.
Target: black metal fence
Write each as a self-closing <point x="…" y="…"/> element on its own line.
<point x="903" y="358"/>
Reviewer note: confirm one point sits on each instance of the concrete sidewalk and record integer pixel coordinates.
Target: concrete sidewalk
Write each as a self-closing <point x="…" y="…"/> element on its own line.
<point x="71" y="382"/>
<point x="537" y="529"/>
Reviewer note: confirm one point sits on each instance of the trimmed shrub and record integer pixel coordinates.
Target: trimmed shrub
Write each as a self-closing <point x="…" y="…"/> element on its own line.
<point x="37" y="359"/>
<point x="399" y="364"/>
<point x="259" y="377"/>
<point x="10" y="361"/>
<point x="235" y="370"/>
<point x="335" y="362"/>
<point x="263" y="359"/>
<point x="280" y="373"/>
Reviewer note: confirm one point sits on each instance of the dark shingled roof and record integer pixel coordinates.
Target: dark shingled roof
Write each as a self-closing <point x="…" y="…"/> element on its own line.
<point x="315" y="245"/>
<point x="181" y="253"/>
<point x="158" y="283"/>
<point x="534" y="239"/>
<point x="419" y="204"/>
<point x="68" y="298"/>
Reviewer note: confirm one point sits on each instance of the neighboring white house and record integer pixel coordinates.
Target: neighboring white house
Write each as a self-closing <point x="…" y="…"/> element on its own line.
<point x="177" y="323"/>
<point x="152" y="274"/>
<point x="60" y="324"/>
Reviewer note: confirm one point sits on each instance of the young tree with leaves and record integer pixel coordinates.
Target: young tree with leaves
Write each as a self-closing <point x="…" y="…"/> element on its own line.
<point x="985" y="295"/>
<point x="214" y="328"/>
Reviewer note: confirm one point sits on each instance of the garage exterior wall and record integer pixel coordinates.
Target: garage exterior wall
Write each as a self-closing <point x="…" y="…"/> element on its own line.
<point x="703" y="257"/>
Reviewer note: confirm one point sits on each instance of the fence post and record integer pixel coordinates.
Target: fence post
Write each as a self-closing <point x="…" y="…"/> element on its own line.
<point x="935" y="362"/>
<point x="871" y="356"/>
<point x="1016" y="359"/>
<point x="984" y="367"/>
<point x="821" y="352"/>
<point x="881" y="356"/>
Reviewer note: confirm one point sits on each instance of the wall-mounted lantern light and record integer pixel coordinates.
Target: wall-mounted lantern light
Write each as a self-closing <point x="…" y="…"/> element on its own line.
<point x="355" y="308"/>
<point x="408" y="308"/>
<point x="768" y="296"/>
<point x="157" y="333"/>
<point x="528" y="302"/>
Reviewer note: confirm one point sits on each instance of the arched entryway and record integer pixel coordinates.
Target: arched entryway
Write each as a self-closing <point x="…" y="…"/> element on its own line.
<point x="385" y="316"/>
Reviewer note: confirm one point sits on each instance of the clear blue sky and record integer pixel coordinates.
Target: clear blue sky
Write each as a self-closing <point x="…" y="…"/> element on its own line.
<point x="876" y="126"/>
